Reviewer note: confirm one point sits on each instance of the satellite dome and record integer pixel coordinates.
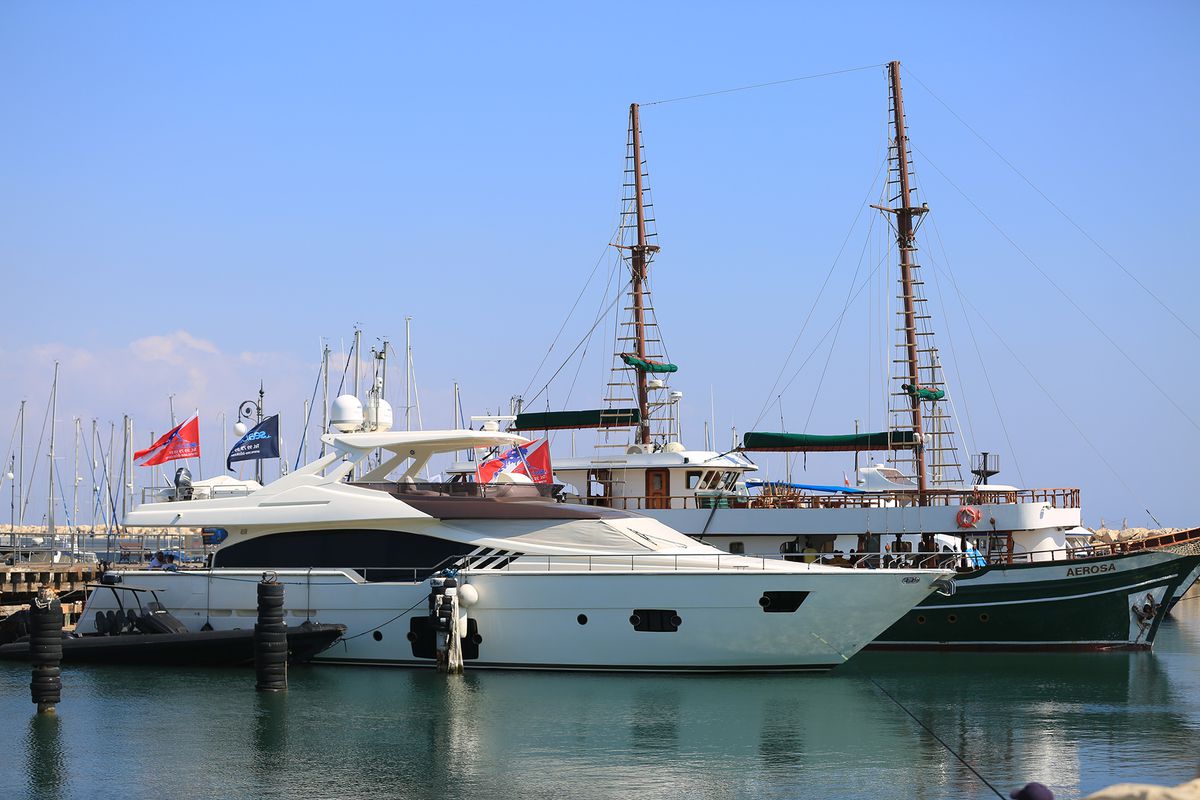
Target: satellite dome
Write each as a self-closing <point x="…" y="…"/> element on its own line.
<point x="346" y="414"/>
<point x="379" y="415"/>
<point x="673" y="447"/>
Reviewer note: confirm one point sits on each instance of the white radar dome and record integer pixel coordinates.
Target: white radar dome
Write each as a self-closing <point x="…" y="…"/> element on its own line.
<point x="673" y="447"/>
<point x="379" y="415"/>
<point x="346" y="414"/>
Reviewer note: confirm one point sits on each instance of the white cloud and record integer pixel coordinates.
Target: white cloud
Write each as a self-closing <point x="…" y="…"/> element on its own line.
<point x="174" y="348"/>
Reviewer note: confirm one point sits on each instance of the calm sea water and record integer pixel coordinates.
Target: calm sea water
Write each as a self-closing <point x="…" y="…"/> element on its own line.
<point x="1076" y="722"/>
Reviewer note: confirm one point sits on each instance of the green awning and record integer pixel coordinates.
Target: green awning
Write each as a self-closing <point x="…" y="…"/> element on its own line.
<point x="647" y="366"/>
<point x="595" y="418"/>
<point x="814" y="443"/>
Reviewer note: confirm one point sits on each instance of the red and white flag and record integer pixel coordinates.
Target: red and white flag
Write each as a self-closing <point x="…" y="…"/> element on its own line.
<point x="532" y="460"/>
<point x="182" y="441"/>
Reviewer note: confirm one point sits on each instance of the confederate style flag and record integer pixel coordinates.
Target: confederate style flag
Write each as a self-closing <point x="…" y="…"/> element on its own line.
<point x="532" y="460"/>
<point x="182" y="441"/>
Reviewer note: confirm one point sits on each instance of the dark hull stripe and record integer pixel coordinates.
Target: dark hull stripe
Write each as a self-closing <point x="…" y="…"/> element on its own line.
<point x="1045" y="647"/>
<point x="583" y="667"/>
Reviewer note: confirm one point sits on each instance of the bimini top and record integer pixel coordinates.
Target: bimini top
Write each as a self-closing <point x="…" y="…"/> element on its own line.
<point x="419" y="446"/>
<point x="416" y="443"/>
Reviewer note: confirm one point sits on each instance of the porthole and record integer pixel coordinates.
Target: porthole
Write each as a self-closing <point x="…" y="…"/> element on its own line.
<point x="920" y="620"/>
<point x="953" y="618"/>
<point x="635" y="620"/>
<point x="476" y="638"/>
<point x="581" y="619"/>
<point x="377" y="636"/>
<point x="411" y="636"/>
<point x="984" y="617"/>
<point x="676" y="620"/>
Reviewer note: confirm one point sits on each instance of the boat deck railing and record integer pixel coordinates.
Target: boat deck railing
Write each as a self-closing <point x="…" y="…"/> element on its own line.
<point x="1183" y="541"/>
<point x="522" y="563"/>
<point x="528" y="491"/>
<point x="167" y="494"/>
<point x="786" y="498"/>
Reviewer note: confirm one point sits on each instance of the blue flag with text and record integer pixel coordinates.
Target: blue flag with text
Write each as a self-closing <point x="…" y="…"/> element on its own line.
<point x="261" y="441"/>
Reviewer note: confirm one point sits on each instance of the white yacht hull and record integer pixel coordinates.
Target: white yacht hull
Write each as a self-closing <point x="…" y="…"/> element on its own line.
<point x="531" y="620"/>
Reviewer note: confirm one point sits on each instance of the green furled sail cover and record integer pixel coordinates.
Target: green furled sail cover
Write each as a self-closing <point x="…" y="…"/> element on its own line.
<point x="815" y="443"/>
<point x="923" y="394"/>
<point x="593" y="418"/>
<point x="647" y="366"/>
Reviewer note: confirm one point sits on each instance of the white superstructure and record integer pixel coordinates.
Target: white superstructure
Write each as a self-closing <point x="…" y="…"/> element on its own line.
<point x="712" y="496"/>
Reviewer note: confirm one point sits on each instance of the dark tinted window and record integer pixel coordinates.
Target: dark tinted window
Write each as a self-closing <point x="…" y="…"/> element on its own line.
<point x="376" y="555"/>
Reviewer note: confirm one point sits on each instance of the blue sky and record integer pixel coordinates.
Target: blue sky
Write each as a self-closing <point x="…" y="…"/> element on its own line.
<point x="192" y="195"/>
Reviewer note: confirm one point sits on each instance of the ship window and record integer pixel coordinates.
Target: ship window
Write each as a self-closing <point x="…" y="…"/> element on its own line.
<point x="693" y="479"/>
<point x="737" y="548"/>
<point x="377" y="555"/>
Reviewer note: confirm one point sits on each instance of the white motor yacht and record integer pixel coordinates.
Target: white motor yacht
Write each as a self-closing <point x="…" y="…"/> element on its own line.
<point x="541" y="583"/>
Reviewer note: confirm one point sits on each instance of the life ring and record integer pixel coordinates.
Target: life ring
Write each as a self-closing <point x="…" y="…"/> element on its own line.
<point x="968" y="516"/>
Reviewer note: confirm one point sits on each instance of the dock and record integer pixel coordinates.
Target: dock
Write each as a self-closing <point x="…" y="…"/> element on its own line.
<point x="20" y="584"/>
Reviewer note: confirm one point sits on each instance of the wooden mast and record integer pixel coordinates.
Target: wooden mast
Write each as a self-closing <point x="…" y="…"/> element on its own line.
<point x="906" y="242"/>
<point x="638" y="276"/>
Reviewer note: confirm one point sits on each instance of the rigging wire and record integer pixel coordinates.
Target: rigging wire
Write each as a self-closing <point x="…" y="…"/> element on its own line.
<point x="1064" y="293"/>
<point x="831" y="328"/>
<point x="845" y="307"/>
<point x="1056" y="207"/>
<point x="586" y="337"/>
<point x="583" y="357"/>
<point x="1051" y="397"/>
<point x="37" y="452"/>
<point x="304" y="432"/>
<point x="760" y="85"/>
<point x="816" y="300"/>
<point x="969" y="436"/>
<point x="10" y="453"/>
<point x="912" y="716"/>
<point x="571" y="312"/>
<point x="978" y="352"/>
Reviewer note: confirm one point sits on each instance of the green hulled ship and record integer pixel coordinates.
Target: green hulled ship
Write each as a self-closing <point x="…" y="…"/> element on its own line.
<point x="1097" y="603"/>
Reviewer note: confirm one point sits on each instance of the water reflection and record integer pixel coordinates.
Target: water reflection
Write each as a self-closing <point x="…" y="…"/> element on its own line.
<point x="1074" y="721"/>
<point x="270" y="735"/>
<point x="45" y="764"/>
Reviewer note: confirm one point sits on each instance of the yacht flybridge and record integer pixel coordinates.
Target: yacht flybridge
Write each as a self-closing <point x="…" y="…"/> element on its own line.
<point x="541" y="583"/>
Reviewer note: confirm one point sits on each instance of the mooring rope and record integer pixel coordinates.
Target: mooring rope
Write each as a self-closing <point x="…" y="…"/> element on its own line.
<point x="913" y="716"/>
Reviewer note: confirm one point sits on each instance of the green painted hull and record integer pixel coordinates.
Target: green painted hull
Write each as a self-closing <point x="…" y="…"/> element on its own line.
<point x="1085" y="604"/>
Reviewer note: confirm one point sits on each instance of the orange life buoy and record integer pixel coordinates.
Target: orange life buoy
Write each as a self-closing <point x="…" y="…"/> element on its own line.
<point x="968" y="516"/>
